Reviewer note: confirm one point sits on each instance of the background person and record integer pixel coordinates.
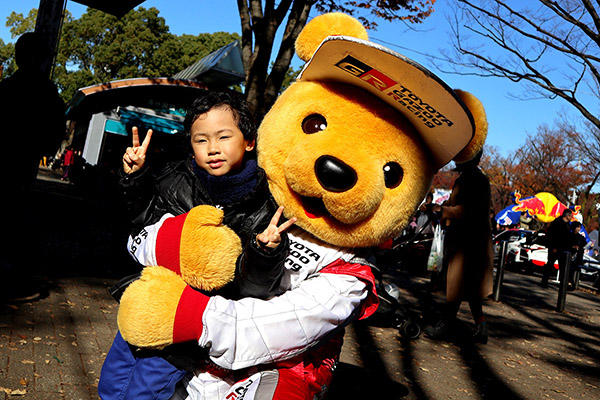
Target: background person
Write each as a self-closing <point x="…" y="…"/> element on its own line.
<point x="33" y="123"/>
<point x="559" y="240"/>
<point x="468" y="250"/>
<point x="593" y="238"/>
<point x="578" y="248"/>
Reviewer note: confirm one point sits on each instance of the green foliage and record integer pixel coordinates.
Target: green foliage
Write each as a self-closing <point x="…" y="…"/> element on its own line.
<point x="7" y="58"/>
<point x="19" y="24"/>
<point x="98" y="47"/>
<point x="290" y="77"/>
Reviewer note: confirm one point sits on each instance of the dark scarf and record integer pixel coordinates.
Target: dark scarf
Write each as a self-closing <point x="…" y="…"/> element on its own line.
<point x="232" y="187"/>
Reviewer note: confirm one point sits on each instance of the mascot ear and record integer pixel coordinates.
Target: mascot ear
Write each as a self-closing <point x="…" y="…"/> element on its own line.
<point x="327" y="25"/>
<point x="481" y="127"/>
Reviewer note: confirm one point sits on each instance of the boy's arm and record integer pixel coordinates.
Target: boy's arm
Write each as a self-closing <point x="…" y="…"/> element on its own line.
<point x="259" y="269"/>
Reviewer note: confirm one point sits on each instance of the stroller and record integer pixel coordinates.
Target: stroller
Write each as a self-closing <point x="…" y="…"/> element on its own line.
<point x="392" y="310"/>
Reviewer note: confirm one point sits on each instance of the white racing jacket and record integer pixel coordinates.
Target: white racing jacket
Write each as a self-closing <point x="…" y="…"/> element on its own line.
<point x="326" y="287"/>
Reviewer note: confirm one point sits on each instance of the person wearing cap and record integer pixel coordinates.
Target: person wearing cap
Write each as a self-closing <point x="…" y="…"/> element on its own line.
<point x="467" y="250"/>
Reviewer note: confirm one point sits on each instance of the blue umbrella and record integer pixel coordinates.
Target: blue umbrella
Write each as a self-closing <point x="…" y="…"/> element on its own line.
<point x="508" y="216"/>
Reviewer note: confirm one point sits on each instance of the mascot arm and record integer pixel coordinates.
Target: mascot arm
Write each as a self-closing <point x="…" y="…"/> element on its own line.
<point x="142" y="246"/>
<point x="160" y="309"/>
<point x="249" y="331"/>
<point x="190" y="245"/>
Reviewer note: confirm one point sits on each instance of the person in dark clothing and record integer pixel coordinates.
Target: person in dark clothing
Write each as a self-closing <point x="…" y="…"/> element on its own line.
<point x="559" y="239"/>
<point x="468" y="250"/>
<point x="68" y="161"/>
<point x="425" y="215"/>
<point x="33" y="124"/>
<point x="578" y="245"/>
<point x="222" y="172"/>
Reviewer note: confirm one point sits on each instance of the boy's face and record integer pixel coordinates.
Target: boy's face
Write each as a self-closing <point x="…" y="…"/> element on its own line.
<point x="218" y="144"/>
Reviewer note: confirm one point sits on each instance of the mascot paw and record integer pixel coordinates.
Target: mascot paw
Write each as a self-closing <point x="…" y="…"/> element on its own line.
<point x="148" y="306"/>
<point x="208" y="249"/>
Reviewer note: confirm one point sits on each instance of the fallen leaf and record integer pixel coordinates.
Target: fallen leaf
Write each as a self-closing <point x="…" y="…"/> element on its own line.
<point x="13" y="392"/>
<point x="27" y="362"/>
<point x="23" y="382"/>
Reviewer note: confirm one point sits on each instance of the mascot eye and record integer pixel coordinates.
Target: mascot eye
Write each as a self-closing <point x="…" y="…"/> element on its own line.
<point x="314" y="123"/>
<point x="392" y="174"/>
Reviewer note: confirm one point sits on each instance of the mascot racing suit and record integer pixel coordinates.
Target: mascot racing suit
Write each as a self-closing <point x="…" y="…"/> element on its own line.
<point x="285" y="347"/>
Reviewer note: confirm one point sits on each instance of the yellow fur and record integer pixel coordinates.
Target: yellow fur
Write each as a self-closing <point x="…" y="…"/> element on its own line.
<point x="327" y="25"/>
<point x="208" y="250"/>
<point x="364" y="133"/>
<point x="135" y="317"/>
<point x="481" y="127"/>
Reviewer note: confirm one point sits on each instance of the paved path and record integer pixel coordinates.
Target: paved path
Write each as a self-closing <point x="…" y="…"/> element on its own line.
<point x="53" y="349"/>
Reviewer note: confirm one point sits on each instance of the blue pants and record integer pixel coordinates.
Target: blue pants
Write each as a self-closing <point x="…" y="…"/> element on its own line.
<point x="124" y="376"/>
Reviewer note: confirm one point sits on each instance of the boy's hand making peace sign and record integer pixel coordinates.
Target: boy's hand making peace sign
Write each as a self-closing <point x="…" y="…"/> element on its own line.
<point x="271" y="237"/>
<point x="135" y="156"/>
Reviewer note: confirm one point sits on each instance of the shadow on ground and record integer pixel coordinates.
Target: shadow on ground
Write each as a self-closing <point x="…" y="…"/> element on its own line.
<point x="83" y="233"/>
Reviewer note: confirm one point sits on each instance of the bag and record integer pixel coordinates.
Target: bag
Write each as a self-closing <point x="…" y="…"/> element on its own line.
<point x="436" y="255"/>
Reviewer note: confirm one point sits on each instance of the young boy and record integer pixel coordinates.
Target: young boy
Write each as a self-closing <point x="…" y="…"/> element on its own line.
<point x="222" y="171"/>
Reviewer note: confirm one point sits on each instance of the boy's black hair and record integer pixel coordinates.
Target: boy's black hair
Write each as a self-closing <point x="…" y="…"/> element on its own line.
<point x="236" y="103"/>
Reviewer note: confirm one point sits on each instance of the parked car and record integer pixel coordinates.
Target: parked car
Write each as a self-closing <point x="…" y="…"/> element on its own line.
<point x="590" y="270"/>
<point x="514" y="238"/>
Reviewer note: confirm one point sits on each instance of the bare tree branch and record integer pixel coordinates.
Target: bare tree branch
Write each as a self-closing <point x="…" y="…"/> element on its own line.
<point x="567" y="16"/>
<point x="528" y="39"/>
<point x="260" y="20"/>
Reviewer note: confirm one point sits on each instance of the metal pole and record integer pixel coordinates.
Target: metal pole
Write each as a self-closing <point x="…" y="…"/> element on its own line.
<point x="564" y="281"/>
<point x="500" y="272"/>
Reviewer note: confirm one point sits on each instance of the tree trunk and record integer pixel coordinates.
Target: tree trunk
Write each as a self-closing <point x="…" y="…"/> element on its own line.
<point x="261" y="89"/>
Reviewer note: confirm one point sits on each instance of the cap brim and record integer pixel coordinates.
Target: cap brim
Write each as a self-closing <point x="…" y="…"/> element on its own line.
<point x="438" y="115"/>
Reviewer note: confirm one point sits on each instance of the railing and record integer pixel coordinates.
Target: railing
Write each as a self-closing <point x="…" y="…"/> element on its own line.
<point x="499" y="278"/>
<point x="563" y="280"/>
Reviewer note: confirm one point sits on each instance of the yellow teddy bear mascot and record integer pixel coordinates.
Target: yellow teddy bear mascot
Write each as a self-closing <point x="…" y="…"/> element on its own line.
<point x="349" y="150"/>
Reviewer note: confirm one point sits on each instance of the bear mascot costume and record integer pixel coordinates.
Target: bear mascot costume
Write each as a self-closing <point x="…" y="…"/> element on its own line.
<point x="349" y="149"/>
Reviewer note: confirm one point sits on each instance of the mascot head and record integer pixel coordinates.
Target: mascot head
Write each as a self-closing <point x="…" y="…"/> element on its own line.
<point x="350" y="148"/>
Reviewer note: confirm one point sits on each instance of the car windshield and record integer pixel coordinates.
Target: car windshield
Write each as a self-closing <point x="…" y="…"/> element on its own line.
<point x="538" y="238"/>
<point x="512" y="236"/>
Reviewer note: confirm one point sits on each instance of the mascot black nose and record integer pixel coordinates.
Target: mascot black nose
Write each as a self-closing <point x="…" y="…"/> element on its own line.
<point x="335" y="175"/>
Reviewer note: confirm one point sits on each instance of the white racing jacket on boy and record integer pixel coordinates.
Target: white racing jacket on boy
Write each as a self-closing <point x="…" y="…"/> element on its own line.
<point x="326" y="287"/>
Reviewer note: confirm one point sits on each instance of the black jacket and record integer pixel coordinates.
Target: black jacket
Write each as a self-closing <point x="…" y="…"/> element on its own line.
<point x="559" y="235"/>
<point x="176" y="189"/>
